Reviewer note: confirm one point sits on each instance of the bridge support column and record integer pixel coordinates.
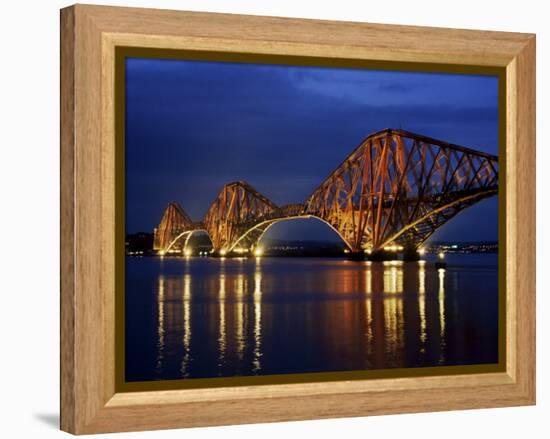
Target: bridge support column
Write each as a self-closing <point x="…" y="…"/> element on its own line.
<point x="410" y="253"/>
<point x="382" y="255"/>
<point x="358" y="255"/>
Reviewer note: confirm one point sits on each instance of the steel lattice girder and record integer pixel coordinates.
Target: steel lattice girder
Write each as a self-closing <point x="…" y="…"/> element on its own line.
<point x="395" y="187"/>
<point x="399" y="187"/>
<point x="174" y="222"/>
<point x="237" y="208"/>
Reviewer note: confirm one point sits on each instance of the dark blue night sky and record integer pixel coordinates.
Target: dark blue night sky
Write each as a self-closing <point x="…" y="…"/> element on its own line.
<point x="192" y="126"/>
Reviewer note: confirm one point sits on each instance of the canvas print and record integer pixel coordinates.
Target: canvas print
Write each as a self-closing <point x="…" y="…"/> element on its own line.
<point x="292" y="219"/>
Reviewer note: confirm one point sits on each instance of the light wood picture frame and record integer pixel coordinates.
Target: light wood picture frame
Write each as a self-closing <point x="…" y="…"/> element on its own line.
<point x="91" y="400"/>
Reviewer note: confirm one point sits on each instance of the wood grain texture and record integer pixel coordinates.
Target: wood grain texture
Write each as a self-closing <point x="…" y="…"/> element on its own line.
<point x="89" y="36"/>
<point x="523" y="254"/>
<point x="362" y="40"/>
<point x="67" y="254"/>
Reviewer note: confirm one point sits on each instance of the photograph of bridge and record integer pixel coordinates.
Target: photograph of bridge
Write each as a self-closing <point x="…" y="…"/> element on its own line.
<point x="396" y="189"/>
<point x="292" y="219"/>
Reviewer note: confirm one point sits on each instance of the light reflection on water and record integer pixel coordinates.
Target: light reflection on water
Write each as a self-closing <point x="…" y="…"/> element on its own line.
<point x="257" y="366"/>
<point x="441" y="297"/>
<point x="206" y="317"/>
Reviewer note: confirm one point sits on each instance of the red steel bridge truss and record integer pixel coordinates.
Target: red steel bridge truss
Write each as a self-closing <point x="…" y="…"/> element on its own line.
<point x="395" y="189"/>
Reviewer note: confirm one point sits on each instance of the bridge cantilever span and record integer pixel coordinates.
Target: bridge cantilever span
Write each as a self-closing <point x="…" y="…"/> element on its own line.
<point x="395" y="187"/>
<point x="398" y="187"/>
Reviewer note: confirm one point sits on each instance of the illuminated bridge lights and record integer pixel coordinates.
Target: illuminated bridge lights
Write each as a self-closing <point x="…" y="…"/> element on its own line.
<point x="393" y="248"/>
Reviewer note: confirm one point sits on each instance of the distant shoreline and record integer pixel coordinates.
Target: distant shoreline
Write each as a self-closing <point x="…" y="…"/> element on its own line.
<point x="141" y="244"/>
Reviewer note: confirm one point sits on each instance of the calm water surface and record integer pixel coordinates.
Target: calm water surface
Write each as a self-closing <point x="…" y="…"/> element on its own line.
<point x="208" y="317"/>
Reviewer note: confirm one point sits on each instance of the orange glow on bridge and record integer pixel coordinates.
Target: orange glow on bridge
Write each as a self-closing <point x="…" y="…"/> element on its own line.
<point x="391" y="193"/>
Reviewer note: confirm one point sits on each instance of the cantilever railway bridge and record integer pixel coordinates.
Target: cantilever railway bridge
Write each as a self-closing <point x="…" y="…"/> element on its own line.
<point x="395" y="189"/>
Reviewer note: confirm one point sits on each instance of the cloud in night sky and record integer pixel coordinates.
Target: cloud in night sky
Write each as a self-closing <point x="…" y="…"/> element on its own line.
<point x="192" y="126"/>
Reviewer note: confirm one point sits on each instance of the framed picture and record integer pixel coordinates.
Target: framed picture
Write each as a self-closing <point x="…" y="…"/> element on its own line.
<point x="269" y="219"/>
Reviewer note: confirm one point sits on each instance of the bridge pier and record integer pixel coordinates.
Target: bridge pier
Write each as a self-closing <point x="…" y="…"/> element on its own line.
<point x="356" y="255"/>
<point x="410" y="254"/>
<point x="382" y="255"/>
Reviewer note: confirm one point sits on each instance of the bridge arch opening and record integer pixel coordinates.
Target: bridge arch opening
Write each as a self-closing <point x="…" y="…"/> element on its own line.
<point x="290" y="231"/>
<point x="199" y="242"/>
<point x="190" y="243"/>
